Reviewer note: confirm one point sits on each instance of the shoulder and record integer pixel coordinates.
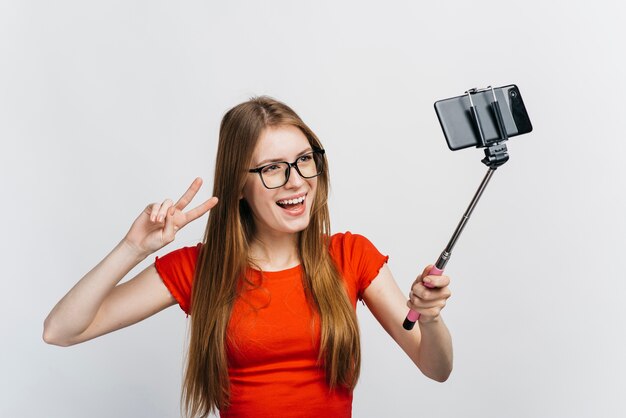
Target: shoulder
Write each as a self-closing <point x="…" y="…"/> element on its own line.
<point x="354" y="252"/>
<point x="177" y="269"/>
<point x="357" y="260"/>
<point x="343" y="243"/>
<point x="189" y="254"/>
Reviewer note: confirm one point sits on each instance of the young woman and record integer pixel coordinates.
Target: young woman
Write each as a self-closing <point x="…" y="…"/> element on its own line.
<point x="271" y="293"/>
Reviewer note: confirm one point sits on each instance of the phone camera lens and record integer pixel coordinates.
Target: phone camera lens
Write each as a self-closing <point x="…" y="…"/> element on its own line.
<point x="513" y="93"/>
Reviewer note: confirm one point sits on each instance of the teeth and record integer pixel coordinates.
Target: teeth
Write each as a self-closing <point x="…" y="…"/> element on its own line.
<point x="291" y="201"/>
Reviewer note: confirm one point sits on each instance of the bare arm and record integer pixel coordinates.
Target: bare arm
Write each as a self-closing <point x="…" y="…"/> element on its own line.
<point x="97" y="305"/>
<point x="430" y="345"/>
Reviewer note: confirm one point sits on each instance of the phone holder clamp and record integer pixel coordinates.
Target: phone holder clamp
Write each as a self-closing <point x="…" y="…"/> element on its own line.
<point x="495" y="156"/>
<point x="496" y="153"/>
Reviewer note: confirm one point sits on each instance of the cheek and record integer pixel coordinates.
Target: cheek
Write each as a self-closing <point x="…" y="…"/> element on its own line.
<point x="313" y="185"/>
<point x="250" y="192"/>
<point x="257" y="196"/>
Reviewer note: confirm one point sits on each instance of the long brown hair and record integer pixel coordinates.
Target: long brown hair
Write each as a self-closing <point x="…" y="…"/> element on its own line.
<point x="224" y="257"/>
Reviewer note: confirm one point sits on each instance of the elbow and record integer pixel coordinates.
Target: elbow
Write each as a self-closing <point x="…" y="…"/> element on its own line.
<point x="438" y="375"/>
<point x="52" y="340"/>
<point x="443" y="374"/>
<point x="50" y="336"/>
<point x="442" y="377"/>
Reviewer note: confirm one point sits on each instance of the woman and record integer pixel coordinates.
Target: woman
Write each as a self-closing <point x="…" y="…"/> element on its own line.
<point x="273" y="324"/>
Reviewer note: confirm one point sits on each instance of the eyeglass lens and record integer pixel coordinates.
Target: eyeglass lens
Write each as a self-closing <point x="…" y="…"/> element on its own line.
<point x="308" y="165"/>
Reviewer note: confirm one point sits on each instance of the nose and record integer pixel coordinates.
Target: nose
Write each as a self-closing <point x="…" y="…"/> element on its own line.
<point x="295" y="180"/>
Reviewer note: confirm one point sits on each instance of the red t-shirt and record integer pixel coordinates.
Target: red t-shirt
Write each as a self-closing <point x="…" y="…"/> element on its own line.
<point x="272" y="345"/>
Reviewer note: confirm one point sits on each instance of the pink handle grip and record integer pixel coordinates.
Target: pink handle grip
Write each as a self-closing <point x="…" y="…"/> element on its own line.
<point x="413" y="316"/>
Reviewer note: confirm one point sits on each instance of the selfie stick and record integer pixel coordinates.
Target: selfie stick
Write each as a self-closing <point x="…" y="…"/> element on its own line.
<point x="496" y="154"/>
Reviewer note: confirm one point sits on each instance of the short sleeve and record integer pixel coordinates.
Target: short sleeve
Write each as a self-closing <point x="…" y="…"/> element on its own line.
<point x="358" y="260"/>
<point x="177" y="270"/>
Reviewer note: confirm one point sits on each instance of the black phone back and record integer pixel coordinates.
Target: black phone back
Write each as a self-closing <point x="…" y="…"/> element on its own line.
<point x="459" y="128"/>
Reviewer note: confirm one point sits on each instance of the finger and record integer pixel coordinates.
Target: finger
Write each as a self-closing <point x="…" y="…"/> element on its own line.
<point x="428" y="315"/>
<point x="154" y="211"/>
<point x="421" y="292"/>
<point x="436" y="281"/>
<point x="420" y="309"/>
<point x="424" y="273"/>
<point x="432" y="300"/>
<point x="200" y="210"/>
<point x="169" y="230"/>
<point x="189" y="194"/>
<point x="165" y="206"/>
<point x="421" y="306"/>
<point x="148" y="209"/>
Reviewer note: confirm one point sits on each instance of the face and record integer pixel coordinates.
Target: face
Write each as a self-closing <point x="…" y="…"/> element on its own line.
<point x="272" y="210"/>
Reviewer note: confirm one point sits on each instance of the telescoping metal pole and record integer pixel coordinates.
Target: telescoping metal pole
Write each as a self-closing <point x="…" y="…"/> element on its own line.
<point x="440" y="265"/>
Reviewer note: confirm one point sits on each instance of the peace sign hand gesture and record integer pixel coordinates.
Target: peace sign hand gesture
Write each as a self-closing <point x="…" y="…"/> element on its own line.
<point x="157" y="225"/>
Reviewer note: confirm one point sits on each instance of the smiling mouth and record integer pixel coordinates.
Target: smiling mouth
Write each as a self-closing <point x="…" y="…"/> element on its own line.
<point x="291" y="203"/>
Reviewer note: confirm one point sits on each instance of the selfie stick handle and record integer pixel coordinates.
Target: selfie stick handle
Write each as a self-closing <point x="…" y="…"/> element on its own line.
<point x="440" y="265"/>
<point x="496" y="154"/>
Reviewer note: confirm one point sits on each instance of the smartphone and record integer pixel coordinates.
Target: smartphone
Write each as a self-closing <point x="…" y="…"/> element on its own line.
<point x="458" y="125"/>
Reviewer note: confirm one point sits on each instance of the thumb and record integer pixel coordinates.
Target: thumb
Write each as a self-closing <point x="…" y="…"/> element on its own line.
<point x="424" y="273"/>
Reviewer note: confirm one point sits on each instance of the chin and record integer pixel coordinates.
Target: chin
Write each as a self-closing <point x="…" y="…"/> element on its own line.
<point x="296" y="226"/>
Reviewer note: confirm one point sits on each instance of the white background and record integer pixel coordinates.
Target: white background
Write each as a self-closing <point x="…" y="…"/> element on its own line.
<point x="107" y="106"/>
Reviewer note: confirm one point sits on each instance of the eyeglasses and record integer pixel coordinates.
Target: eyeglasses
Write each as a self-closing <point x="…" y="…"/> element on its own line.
<point x="276" y="174"/>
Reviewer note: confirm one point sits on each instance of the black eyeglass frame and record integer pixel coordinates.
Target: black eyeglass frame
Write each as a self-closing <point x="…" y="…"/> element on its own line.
<point x="258" y="170"/>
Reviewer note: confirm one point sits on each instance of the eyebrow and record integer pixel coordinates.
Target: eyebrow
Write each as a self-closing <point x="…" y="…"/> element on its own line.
<point x="277" y="160"/>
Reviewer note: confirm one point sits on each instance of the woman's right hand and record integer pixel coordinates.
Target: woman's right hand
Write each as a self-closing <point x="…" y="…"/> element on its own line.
<point x="97" y="304"/>
<point x="157" y="225"/>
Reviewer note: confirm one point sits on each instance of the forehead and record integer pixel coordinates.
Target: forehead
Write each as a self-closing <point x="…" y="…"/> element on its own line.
<point x="280" y="142"/>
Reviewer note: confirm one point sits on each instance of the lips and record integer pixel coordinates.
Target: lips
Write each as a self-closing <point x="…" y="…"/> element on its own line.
<point x="294" y="206"/>
<point x="292" y="201"/>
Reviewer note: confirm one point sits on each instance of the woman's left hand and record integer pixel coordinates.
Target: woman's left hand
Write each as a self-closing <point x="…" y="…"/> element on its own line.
<point x="428" y="295"/>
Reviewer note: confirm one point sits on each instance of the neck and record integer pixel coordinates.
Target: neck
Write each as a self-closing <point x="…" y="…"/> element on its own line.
<point x="275" y="252"/>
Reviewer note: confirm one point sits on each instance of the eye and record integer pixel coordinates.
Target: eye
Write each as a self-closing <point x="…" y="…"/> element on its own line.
<point x="270" y="169"/>
<point x="305" y="158"/>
